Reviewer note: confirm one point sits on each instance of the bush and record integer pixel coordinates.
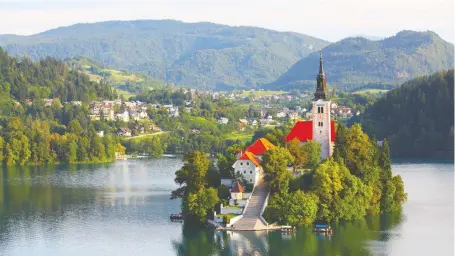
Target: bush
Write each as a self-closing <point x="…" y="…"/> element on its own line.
<point x="226" y="219"/>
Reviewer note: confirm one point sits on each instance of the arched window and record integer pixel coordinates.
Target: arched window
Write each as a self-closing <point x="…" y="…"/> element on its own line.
<point x="322" y="110"/>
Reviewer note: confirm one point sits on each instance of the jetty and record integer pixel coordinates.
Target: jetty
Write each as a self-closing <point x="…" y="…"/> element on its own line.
<point x="252" y="219"/>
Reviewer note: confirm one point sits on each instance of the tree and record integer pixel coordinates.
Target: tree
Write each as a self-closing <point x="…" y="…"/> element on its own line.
<point x="70" y="151"/>
<point x="2" y="156"/>
<point x="340" y="150"/>
<point x="295" y="149"/>
<point x="295" y="208"/>
<point x="341" y="194"/>
<point x="312" y="151"/>
<point x="201" y="202"/>
<point x="359" y="154"/>
<point x="276" y="174"/>
<point x="120" y="149"/>
<point x="213" y="177"/>
<point x="75" y="127"/>
<point x="384" y="161"/>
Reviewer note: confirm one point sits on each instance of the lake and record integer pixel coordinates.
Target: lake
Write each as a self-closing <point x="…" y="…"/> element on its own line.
<point x="123" y="208"/>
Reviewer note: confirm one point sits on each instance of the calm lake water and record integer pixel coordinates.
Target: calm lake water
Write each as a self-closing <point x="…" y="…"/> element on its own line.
<point x="123" y="208"/>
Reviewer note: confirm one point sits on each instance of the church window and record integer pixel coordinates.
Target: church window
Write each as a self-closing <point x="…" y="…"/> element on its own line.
<point x="322" y="110"/>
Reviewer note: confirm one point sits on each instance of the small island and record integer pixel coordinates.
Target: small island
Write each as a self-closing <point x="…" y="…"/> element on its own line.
<point x="319" y="172"/>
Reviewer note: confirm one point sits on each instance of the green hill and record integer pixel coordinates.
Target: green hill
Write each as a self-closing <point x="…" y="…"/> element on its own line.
<point x="203" y="55"/>
<point x="416" y="118"/>
<point x="358" y="62"/>
<point x="132" y="82"/>
<point x="47" y="78"/>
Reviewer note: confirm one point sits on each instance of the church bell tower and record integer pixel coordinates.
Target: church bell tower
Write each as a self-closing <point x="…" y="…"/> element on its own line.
<point x="321" y="113"/>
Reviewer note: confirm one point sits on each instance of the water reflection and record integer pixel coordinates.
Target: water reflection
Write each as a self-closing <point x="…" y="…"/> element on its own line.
<point x="123" y="208"/>
<point x="349" y="238"/>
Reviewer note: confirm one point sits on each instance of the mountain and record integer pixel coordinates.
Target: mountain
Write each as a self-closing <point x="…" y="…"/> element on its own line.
<point x="355" y="62"/>
<point x="372" y="38"/>
<point x="129" y="82"/>
<point x="416" y="118"/>
<point x="203" y="55"/>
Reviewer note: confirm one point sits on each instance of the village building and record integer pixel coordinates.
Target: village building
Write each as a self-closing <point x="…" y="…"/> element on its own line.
<point x="125" y="132"/>
<point x="237" y="191"/>
<point x="281" y="114"/>
<point x="321" y="128"/>
<point x="123" y="115"/>
<point x="249" y="160"/>
<point x="241" y="124"/>
<point x="223" y="120"/>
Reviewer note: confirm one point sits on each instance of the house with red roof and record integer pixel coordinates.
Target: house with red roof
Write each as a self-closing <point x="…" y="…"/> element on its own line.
<point x="237" y="191"/>
<point x="249" y="160"/>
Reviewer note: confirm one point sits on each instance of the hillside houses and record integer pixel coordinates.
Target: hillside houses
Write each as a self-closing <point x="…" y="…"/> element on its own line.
<point x="126" y="111"/>
<point x="98" y="109"/>
<point x="223" y="120"/>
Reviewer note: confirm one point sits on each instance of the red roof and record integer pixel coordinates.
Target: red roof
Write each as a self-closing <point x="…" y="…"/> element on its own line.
<point x="260" y="146"/>
<point x="303" y="131"/>
<point x="237" y="188"/>
<point x="250" y="156"/>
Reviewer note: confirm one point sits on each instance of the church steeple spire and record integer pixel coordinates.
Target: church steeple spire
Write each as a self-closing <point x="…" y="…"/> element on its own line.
<point x="321" y="67"/>
<point x="321" y="88"/>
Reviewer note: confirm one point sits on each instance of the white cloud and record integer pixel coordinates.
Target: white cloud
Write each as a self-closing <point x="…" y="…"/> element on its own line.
<point x="327" y="19"/>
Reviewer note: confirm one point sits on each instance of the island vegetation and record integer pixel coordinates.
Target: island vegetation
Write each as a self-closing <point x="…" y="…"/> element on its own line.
<point x="356" y="181"/>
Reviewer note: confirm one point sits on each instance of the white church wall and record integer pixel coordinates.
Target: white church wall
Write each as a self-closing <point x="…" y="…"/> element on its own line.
<point x="321" y="126"/>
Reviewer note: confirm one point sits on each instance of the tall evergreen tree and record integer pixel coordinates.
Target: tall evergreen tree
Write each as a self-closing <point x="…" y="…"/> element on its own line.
<point x="384" y="162"/>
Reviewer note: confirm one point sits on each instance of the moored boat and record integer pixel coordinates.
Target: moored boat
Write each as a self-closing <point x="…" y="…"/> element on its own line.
<point x="176" y="217"/>
<point x="287" y="229"/>
<point x="322" y="228"/>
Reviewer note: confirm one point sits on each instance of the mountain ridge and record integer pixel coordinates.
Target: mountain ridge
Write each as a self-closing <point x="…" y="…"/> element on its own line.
<point x="203" y="55"/>
<point x="356" y="61"/>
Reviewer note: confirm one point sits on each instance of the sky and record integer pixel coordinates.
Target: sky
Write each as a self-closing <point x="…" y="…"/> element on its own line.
<point x="331" y="20"/>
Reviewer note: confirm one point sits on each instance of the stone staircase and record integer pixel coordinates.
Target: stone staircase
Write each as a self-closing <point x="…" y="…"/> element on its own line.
<point x="250" y="219"/>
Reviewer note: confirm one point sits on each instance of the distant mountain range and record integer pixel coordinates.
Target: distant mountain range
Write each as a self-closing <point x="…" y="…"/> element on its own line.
<point x="201" y="55"/>
<point x="357" y="62"/>
<point x="212" y="56"/>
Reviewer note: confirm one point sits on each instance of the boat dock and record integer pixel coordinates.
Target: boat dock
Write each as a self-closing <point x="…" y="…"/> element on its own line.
<point x="251" y="220"/>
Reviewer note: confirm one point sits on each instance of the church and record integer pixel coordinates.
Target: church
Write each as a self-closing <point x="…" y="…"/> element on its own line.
<point x="321" y="128"/>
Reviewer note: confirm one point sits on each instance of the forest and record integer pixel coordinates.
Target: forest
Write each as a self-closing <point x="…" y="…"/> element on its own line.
<point x="416" y="118"/>
<point x="33" y="133"/>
